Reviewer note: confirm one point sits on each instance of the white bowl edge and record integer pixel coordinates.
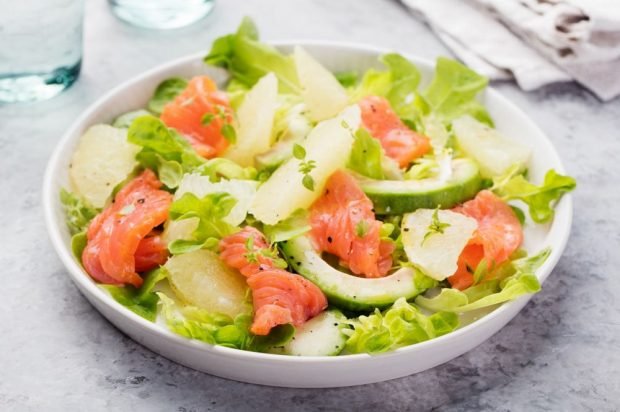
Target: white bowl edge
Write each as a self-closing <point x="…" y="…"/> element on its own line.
<point x="289" y="371"/>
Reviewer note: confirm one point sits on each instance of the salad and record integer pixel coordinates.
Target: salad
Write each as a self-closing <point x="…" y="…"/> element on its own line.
<point x="303" y="212"/>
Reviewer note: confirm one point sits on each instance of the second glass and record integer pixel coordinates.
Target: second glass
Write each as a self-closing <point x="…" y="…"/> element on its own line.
<point x="161" y="14"/>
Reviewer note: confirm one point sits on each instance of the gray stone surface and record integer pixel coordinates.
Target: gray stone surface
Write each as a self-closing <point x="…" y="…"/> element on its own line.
<point x="562" y="352"/>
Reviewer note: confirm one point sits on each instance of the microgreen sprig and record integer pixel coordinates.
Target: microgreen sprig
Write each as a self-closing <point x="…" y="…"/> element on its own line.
<point x="436" y="226"/>
<point x="305" y="166"/>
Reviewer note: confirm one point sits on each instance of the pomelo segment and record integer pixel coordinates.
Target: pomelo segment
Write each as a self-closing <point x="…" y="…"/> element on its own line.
<point x="255" y="119"/>
<point x="104" y="158"/>
<point x="436" y="253"/>
<point x="328" y="145"/>
<point x="323" y="95"/>
<point x="494" y="153"/>
<point x="201" y="279"/>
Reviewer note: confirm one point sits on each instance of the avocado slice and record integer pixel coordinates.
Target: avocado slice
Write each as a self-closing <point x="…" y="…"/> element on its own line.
<point x="352" y="292"/>
<point x="396" y="197"/>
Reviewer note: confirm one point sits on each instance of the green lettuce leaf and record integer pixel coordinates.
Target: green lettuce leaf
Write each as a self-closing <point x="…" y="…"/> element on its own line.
<point x="347" y="78"/>
<point x="405" y="80"/>
<point x="219" y="329"/>
<point x="398" y="84"/>
<point x="124" y="120"/>
<point x="401" y="325"/>
<point x="222" y="168"/>
<point x="247" y="59"/>
<point x="142" y="301"/>
<point x="199" y="324"/>
<point x="210" y="211"/>
<point x="236" y="93"/>
<point x="278" y="336"/>
<point x="519" y="214"/>
<point x="539" y="199"/>
<point x="295" y="225"/>
<point x="78" y="244"/>
<point x="163" y="150"/>
<point x="452" y="92"/>
<point x="374" y="83"/>
<point x="78" y="211"/>
<point x="366" y="155"/>
<point x="521" y="280"/>
<point x="165" y="92"/>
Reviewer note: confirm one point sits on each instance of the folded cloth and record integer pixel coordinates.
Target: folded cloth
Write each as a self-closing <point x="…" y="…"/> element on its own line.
<point x="536" y="42"/>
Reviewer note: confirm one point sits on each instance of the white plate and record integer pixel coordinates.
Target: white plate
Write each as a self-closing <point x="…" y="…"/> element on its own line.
<point x="279" y="370"/>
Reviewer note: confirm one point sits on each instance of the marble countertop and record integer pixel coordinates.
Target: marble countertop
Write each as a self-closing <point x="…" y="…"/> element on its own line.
<point x="562" y="352"/>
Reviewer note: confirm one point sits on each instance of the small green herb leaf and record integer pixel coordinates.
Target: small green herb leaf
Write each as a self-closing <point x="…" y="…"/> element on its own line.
<point x="250" y="254"/>
<point x="308" y="182"/>
<point x="307" y="166"/>
<point x="299" y="152"/>
<point x="361" y="228"/>
<point x="207" y="118"/>
<point x="435" y="227"/>
<point x="229" y="133"/>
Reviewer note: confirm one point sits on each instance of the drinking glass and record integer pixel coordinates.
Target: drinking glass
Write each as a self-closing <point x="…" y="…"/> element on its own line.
<point x="161" y="14"/>
<point x="40" y="48"/>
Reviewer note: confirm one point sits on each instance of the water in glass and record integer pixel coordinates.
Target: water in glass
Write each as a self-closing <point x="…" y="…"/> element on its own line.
<point x="40" y="48"/>
<point x="161" y="14"/>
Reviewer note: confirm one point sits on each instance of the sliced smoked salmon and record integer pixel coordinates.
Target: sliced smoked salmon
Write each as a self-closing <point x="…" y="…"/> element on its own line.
<point x="116" y="234"/>
<point x="238" y="252"/>
<point x="199" y="114"/>
<point x="151" y="253"/>
<point x="498" y="236"/>
<point x="343" y="224"/>
<point x="279" y="297"/>
<point x="399" y="142"/>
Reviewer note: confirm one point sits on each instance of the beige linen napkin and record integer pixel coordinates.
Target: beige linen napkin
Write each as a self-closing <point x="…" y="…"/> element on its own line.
<point x="536" y="42"/>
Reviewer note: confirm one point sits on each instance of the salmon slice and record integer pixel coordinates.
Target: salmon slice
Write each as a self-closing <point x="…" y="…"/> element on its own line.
<point x="399" y="142"/>
<point x="278" y="297"/>
<point x="152" y="252"/>
<point x="117" y="233"/>
<point x="498" y="236"/>
<point x="343" y="224"/>
<point x="235" y="250"/>
<point x="186" y="113"/>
